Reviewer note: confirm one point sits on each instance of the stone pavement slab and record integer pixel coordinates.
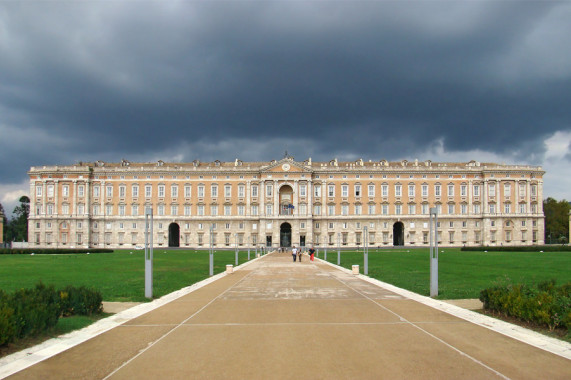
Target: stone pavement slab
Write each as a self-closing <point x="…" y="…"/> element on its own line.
<point x="277" y="319"/>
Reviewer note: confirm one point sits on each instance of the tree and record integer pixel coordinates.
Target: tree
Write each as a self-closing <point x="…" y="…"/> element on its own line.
<point x="4" y="221"/>
<point x="556" y="220"/>
<point x="18" y="226"/>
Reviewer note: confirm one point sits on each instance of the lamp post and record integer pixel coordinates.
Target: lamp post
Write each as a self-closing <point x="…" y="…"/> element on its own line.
<point x="338" y="248"/>
<point x="236" y="249"/>
<point x="433" y="252"/>
<point x="211" y="251"/>
<point x="365" y="251"/>
<point x="149" y="253"/>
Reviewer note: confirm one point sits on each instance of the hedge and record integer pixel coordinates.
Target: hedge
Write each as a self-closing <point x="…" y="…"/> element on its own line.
<point x="51" y="251"/>
<point x="521" y="248"/>
<point x="545" y="305"/>
<point x="30" y="312"/>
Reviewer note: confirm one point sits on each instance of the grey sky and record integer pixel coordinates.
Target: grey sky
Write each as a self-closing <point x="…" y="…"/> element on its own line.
<point x="185" y="80"/>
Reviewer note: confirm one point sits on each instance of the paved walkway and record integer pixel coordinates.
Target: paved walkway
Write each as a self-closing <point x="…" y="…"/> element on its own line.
<point x="276" y="319"/>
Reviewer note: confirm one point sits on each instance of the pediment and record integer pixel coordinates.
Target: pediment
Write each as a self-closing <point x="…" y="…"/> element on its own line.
<point x="285" y="165"/>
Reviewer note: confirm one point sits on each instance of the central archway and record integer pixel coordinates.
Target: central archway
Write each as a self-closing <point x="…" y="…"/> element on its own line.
<point x="174" y="235"/>
<point x="398" y="234"/>
<point x="285" y="235"/>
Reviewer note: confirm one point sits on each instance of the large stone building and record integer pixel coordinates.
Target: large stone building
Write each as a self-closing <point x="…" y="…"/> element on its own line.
<point x="284" y="203"/>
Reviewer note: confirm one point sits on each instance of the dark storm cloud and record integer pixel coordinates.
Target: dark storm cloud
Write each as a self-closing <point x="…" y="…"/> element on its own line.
<point x="355" y="79"/>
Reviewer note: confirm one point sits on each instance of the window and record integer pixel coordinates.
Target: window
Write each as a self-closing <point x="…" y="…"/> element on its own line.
<point x="214" y="210"/>
<point x="122" y="191"/>
<point x="522" y="208"/>
<point x="507" y="189"/>
<point x="122" y="210"/>
<point x="450" y="190"/>
<point x="330" y="190"/>
<point x="109" y="190"/>
<point x="39" y="190"/>
<point x="385" y="190"/>
<point x="463" y="190"/>
<point x="476" y="190"/>
<point x="522" y="189"/>
<point x="135" y="191"/>
<point x="398" y="209"/>
<point x="492" y="208"/>
<point x="269" y="188"/>
<point x="161" y="210"/>
<point x="174" y="191"/>
<point x="451" y="209"/>
<point x="135" y="210"/>
<point x="227" y="210"/>
<point x="200" y="210"/>
<point x="302" y="190"/>
<point x="65" y="191"/>
<point x="65" y="209"/>
<point x="492" y="190"/>
<point x="476" y="209"/>
<point x="398" y="190"/>
<point x="303" y="209"/>
<point x="174" y="209"/>
<point x="371" y="209"/>
<point x="317" y="191"/>
<point x="227" y="191"/>
<point x="187" y="210"/>
<point x="187" y="191"/>
<point x="425" y="190"/>
<point x="411" y="209"/>
<point x="411" y="191"/>
<point x="330" y="210"/>
<point x="507" y="208"/>
<point x="463" y="209"/>
<point x="80" y="191"/>
<point x="109" y="210"/>
<point x="385" y="209"/>
<point x="344" y="191"/>
<point x="201" y="191"/>
<point x="425" y="208"/>
<point x="51" y="191"/>
<point x="269" y="209"/>
<point x="437" y="190"/>
<point x="254" y="210"/>
<point x="241" y="191"/>
<point x="344" y="209"/>
<point x="254" y="190"/>
<point x="317" y="210"/>
<point x="214" y="191"/>
<point x="533" y="190"/>
<point x="371" y="190"/>
<point x="357" y="190"/>
<point x="148" y="191"/>
<point x="241" y="210"/>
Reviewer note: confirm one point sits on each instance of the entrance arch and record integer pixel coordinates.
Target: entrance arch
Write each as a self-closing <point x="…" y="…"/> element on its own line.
<point x="398" y="233"/>
<point x="285" y="235"/>
<point x="286" y="200"/>
<point x="174" y="235"/>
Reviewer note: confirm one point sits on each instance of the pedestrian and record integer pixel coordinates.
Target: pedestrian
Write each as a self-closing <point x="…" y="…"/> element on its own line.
<point x="299" y="253"/>
<point x="294" y="253"/>
<point x="311" y="253"/>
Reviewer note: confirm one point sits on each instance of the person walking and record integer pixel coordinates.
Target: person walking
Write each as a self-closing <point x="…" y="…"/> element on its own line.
<point x="311" y="253"/>
<point x="294" y="253"/>
<point x="299" y="253"/>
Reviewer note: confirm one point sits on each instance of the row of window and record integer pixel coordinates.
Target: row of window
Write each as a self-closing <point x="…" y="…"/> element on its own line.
<point x="357" y="190"/>
<point x="332" y="210"/>
<point x="331" y="239"/>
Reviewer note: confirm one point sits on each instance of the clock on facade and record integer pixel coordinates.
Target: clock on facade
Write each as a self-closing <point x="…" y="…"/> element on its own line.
<point x="285" y="167"/>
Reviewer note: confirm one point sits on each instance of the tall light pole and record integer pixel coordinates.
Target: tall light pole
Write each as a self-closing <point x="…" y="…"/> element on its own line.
<point x="365" y="251"/>
<point x="211" y="251"/>
<point x="433" y="252"/>
<point x="149" y="252"/>
<point x="338" y="248"/>
<point x="236" y="249"/>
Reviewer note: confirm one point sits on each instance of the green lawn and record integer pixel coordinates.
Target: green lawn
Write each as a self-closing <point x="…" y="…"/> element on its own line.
<point x="119" y="276"/>
<point x="461" y="274"/>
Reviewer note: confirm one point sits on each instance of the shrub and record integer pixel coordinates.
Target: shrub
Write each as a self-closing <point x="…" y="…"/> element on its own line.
<point x="30" y="312"/>
<point x="51" y="251"/>
<point x="546" y="305"/>
<point x="80" y="301"/>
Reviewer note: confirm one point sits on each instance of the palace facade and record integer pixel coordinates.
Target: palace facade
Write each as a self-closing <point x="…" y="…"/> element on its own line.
<point x="284" y="203"/>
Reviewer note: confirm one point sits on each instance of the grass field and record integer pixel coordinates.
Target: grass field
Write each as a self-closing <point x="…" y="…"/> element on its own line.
<point x="119" y="276"/>
<point x="461" y="274"/>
